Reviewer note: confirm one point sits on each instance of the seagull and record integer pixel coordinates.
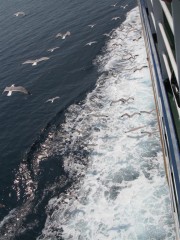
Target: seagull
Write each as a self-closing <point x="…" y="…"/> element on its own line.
<point x="91" y="25"/>
<point x="147" y="111"/>
<point x="123" y="100"/>
<point x="35" y="62"/>
<point x="52" y="99"/>
<point x="20" y="14"/>
<point x="136" y="39"/>
<point x="14" y="88"/>
<point x="130" y="115"/>
<point x="148" y="133"/>
<point x="107" y="35"/>
<point x="52" y="49"/>
<point x="138" y="69"/>
<point x="115" y="18"/>
<point x="124" y="6"/>
<point x="90" y="43"/>
<point x="63" y="35"/>
<point x="131" y="57"/>
<point x="2" y="205"/>
<point x="134" y="129"/>
<point x="114" y="5"/>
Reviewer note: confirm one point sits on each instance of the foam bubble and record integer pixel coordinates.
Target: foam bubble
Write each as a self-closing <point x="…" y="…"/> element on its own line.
<point x="120" y="190"/>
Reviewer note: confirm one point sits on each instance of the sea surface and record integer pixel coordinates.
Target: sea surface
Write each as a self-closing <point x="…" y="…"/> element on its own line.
<point x="88" y="165"/>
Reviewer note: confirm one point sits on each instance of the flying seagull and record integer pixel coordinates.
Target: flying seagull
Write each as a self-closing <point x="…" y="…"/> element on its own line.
<point x="52" y="49"/>
<point x="90" y="43"/>
<point x="107" y="35"/>
<point x="35" y="62"/>
<point x="148" y="112"/>
<point x="2" y="205"/>
<point x="14" y="88"/>
<point x="134" y="129"/>
<point x="114" y="5"/>
<point x="130" y="115"/>
<point x="124" y="6"/>
<point x="136" y="39"/>
<point x="115" y="18"/>
<point x="20" y="14"/>
<point x="149" y="133"/>
<point x="123" y="100"/>
<point x="91" y="25"/>
<point x="63" y="35"/>
<point x="138" y="69"/>
<point x="52" y="99"/>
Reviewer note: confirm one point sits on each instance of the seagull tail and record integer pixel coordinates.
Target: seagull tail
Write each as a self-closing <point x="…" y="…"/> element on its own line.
<point x="9" y="93"/>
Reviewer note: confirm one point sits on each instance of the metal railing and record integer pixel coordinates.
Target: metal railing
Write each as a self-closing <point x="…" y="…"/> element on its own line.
<point x="165" y="120"/>
<point x="168" y="15"/>
<point x="169" y="50"/>
<point x="166" y="52"/>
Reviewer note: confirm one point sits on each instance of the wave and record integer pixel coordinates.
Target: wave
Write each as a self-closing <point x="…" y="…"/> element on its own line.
<point x="123" y="193"/>
<point x="102" y="168"/>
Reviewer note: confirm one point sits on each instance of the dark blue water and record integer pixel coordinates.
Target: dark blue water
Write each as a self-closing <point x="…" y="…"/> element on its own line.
<point x="26" y="121"/>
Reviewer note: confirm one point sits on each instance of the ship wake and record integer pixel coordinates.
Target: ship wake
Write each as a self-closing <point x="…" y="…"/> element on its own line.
<point x="120" y="190"/>
<point x="105" y="175"/>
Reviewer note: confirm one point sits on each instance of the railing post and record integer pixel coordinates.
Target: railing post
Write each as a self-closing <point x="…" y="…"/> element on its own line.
<point x="158" y="15"/>
<point x="151" y="16"/>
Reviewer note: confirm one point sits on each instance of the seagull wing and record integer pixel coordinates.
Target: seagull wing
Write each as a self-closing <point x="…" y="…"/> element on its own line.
<point x="67" y="33"/>
<point x="19" y="13"/>
<point x="125" y="114"/>
<point x="7" y="89"/>
<point x="135" y="113"/>
<point x="42" y="59"/>
<point x="56" y="97"/>
<point x="55" y="48"/>
<point x="93" y="42"/>
<point x="49" y="100"/>
<point x="16" y="89"/>
<point x="59" y="35"/>
<point x="28" y="61"/>
<point x="19" y="89"/>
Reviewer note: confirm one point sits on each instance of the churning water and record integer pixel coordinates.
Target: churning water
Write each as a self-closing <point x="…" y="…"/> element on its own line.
<point x="96" y="169"/>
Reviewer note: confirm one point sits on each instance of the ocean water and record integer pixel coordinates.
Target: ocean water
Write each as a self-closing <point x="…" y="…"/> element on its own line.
<point x="78" y="168"/>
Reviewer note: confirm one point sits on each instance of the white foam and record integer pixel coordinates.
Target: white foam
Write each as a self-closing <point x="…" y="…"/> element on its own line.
<point x="124" y="194"/>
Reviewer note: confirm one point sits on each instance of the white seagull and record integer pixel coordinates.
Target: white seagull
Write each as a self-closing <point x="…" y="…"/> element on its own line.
<point x="114" y="5"/>
<point x="14" y="88"/>
<point x="52" y="49"/>
<point x="107" y="35"/>
<point x="63" y="35"/>
<point x="20" y="14"/>
<point x="124" y="6"/>
<point x="52" y="99"/>
<point x="131" y="115"/>
<point x="90" y="43"/>
<point x="91" y="25"/>
<point x="35" y="62"/>
<point x="115" y="18"/>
